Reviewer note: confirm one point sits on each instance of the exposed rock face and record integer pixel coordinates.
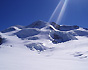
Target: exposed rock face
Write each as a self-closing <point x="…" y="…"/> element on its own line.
<point x="55" y="25"/>
<point x="38" y="24"/>
<point x="64" y="27"/>
<point x="67" y="28"/>
<point x="8" y="30"/>
<point x="27" y="32"/>
<point x="1" y="40"/>
<point x="38" y="32"/>
<point x="37" y="46"/>
<point x="59" y="36"/>
<point x="13" y="28"/>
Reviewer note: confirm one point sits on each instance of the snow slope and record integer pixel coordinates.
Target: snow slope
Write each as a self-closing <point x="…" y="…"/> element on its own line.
<point x="40" y="49"/>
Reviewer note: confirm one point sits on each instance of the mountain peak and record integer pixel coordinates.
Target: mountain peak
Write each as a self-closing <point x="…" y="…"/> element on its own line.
<point x="55" y="33"/>
<point x="37" y="24"/>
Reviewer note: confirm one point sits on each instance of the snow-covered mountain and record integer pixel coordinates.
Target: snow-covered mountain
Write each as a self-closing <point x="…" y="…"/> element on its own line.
<point x="43" y="45"/>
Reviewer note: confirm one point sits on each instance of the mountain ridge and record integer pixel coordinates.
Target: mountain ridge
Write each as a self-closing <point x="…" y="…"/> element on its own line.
<point x="40" y="30"/>
<point x="49" y="47"/>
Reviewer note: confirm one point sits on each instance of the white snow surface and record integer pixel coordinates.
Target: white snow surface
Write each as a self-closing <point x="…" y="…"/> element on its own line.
<point x="15" y="56"/>
<point x="69" y="55"/>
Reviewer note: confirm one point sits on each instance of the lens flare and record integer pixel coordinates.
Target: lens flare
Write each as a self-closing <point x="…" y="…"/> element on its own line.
<point x="56" y="9"/>
<point x="58" y="12"/>
<point x="62" y="12"/>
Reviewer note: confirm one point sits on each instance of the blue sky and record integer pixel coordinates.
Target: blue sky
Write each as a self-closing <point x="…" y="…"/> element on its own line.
<point x="24" y="12"/>
<point x="76" y="13"/>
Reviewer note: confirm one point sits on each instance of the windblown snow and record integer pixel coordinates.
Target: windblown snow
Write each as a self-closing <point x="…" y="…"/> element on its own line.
<point x="44" y="46"/>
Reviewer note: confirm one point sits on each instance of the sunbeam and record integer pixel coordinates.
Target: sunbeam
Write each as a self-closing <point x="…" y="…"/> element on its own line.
<point x="58" y="12"/>
<point x="62" y="12"/>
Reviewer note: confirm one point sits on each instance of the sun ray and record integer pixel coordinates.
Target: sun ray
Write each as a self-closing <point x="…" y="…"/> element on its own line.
<point x="62" y="12"/>
<point x="59" y="11"/>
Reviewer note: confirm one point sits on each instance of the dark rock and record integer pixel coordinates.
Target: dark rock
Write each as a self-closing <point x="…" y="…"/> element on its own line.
<point x="1" y="40"/>
<point x="27" y="32"/>
<point x="77" y="55"/>
<point x="33" y="38"/>
<point x="58" y="37"/>
<point x="8" y="30"/>
<point x="56" y="26"/>
<point x="38" y="24"/>
<point x="76" y="27"/>
<point x="68" y="28"/>
<point x="37" y="46"/>
<point x="12" y="28"/>
<point x="19" y="26"/>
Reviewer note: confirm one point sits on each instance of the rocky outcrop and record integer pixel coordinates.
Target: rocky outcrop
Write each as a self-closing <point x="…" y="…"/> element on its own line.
<point x="27" y="32"/>
<point x="37" y="46"/>
<point x="13" y="28"/>
<point x="56" y="26"/>
<point x="68" y="28"/>
<point x="64" y="27"/>
<point x="8" y="30"/>
<point x="60" y="36"/>
<point x="1" y="39"/>
<point x="38" y="24"/>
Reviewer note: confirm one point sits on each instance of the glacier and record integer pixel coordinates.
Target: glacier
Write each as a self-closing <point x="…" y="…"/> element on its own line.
<point x="43" y="45"/>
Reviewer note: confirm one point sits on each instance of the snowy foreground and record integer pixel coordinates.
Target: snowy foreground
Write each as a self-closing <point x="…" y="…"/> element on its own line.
<point x="69" y="55"/>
